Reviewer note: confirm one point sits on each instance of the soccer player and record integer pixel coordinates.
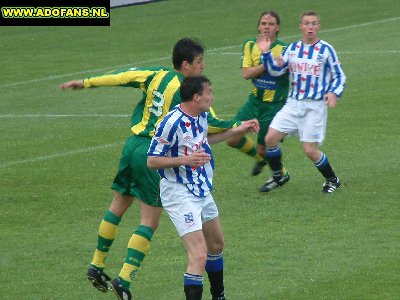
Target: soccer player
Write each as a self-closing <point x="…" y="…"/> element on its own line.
<point x="316" y="82"/>
<point x="160" y="88"/>
<point x="180" y="150"/>
<point x="268" y="93"/>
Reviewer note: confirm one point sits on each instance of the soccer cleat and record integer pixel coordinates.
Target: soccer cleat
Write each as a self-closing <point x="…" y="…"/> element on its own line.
<point x="274" y="183"/>
<point x="331" y="185"/>
<point x="258" y="167"/>
<point x="98" y="278"/>
<point x="120" y="291"/>
<point x="217" y="295"/>
<point x="220" y="297"/>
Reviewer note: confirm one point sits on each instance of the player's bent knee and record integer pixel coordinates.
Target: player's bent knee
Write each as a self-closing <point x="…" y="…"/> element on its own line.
<point x="216" y="246"/>
<point x="312" y="152"/>
<point x="120" y="204"/>
<point x="219" y="247"/>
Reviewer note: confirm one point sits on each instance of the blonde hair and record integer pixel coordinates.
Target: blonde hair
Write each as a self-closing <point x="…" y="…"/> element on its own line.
<point x="309" y="13"/>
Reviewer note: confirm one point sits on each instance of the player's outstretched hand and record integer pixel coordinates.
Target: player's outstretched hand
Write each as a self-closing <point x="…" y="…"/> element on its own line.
<point x="73" y="84"/>
<point x="249" y="126"/>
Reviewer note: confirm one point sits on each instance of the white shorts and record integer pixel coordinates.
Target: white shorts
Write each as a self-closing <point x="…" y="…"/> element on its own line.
<point x="305" y="118"/>
<point x="187" y="211"/>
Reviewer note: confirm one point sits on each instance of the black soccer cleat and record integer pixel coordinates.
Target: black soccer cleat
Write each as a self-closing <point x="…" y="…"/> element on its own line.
<point x="120" y="291"/>
<point x="331" y="185"/>
<point x="98" y="279"/>
<point x="274" y="183"/>
<point x="258" y="167"/>
<point x="219" y="297"/>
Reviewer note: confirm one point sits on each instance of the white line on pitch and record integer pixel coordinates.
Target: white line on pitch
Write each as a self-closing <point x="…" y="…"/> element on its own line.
<point x="322" y="31"/>
<point x="167" y="57"/>
<point x="81" y="72"/>
<point x="339" y="52"/>
<point x="65" y="116"/>
<point x="369" y="52"/>
<point x="76" y="116"/>
<point x="56" y="155"/>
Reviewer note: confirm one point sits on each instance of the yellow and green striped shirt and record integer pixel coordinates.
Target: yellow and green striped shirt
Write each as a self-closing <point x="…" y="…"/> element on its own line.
<point x="265" y="87"/>
<point x="160" y="88"/>
<point x="160" y="92"/>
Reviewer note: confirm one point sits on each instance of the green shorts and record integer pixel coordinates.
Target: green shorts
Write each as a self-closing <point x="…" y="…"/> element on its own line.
<point x="263" y="111"/>
<point x="133" y="177"/>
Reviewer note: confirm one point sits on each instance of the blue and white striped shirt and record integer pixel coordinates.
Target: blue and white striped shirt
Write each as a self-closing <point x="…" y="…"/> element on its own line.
<point x="314" y="70"/>
<point x="179" y="134"/>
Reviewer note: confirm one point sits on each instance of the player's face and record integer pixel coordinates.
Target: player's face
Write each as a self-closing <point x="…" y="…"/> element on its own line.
<point x="206" y="97"/>
<point x="196" y="67"/>
<point x="268" y="26"/>
<point x="310" y="26"/>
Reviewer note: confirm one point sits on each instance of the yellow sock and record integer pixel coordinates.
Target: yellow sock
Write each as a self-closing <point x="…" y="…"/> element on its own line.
<point x="138" y="248"/>
<point x="248" y="147"/>
<point x="106" y="236"/>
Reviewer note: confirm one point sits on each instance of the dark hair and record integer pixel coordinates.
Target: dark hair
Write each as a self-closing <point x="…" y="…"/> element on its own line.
<point x="272" y="14"/>
<point x="186" y="49"/>
<point x="191" y="86"/>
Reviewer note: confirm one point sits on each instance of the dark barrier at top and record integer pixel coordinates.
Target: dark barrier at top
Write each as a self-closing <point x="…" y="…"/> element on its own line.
<point x="122" y="3"/>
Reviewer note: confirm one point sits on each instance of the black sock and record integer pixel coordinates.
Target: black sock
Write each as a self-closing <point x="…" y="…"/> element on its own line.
<point x="216" y="284"/>
<point x="274" y="158"/>
<point x="324" y="167"/>
<point x="193" y="292"/>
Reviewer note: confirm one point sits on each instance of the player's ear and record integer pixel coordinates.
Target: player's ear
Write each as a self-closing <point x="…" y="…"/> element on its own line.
<point x="185" y="65"/>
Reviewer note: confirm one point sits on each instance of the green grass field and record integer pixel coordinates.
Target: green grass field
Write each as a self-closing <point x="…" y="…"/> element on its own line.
<point x="59" y="151"/>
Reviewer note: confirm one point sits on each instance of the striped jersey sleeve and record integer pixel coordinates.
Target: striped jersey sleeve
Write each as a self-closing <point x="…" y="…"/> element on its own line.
<point x="160" y="92"/>
<point x="216" y="125"/>
<point x="131" y="77"/>
<point x="179" y="134"/>
<point x="247" y="58"/>
<point x="314" y="70"/>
